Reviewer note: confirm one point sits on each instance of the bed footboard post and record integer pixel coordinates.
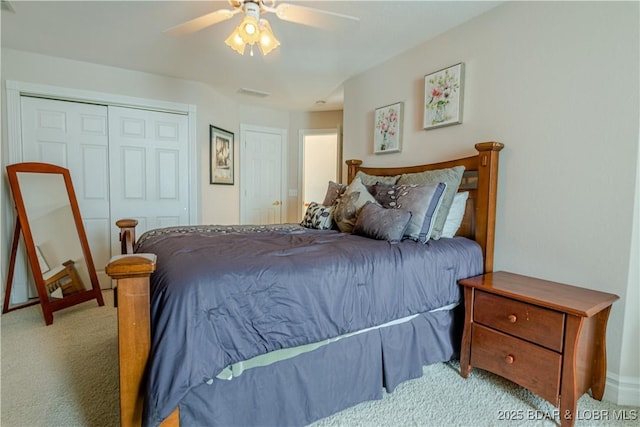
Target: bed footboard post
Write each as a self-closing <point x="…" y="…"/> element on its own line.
<point x="127" y="234"/>
<point x="488" y="155"/>
<point x="134" y="329"/>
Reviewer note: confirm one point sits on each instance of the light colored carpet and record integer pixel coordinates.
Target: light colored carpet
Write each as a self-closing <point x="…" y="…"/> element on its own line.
<point x="66" y="374"/>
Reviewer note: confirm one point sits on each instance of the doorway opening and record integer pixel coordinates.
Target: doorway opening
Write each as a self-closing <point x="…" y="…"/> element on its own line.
<point x="320" y="163"/>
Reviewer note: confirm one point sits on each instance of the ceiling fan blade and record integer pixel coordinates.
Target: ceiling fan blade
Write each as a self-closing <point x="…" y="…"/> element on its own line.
<point x="314" y="17"/>
<point x="201" y="22"/>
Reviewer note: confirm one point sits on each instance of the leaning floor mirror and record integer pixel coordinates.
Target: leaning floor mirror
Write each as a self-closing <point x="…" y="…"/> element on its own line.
<point x="48" y="218"/>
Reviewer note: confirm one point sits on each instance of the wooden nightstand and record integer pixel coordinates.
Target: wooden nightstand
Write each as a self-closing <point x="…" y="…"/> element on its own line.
<point x="548" y="337"/>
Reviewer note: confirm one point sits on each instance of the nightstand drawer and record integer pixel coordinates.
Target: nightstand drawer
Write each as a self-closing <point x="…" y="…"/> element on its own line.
<point x="530" y="322"/>
<point x="529" y="365"/>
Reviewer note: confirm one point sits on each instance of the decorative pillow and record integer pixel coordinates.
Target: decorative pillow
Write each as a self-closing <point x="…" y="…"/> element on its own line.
<point x="456" y="213"/>
<point x="374" y="179"/>
<point x="334" y="192"/>
<point x="354" y="198"/>
<point x="379" y="223"/>
<point x="422" y="201"/>
<point x="318" y="216"/>
<point x="451" y="177"/>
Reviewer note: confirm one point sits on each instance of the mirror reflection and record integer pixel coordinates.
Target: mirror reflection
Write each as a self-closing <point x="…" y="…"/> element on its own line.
<point x="54" y="233"/>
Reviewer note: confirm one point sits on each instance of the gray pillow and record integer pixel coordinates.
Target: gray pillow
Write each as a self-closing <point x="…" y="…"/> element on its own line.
<point x="423" y="201"/>
<point x="354" y="198"/>
<point x="379" y="223"/>
<point x="451" y="177"/>
<point x="374" y="179"/>
<point x="334" y="192"/>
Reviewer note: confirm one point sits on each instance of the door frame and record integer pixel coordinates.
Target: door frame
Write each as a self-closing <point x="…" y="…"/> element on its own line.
<point x="243" y="173"/>
<point x="16" y="89"/>
<point x="302" y="133"/>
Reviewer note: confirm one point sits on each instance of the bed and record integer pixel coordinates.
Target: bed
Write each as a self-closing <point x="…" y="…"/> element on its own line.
<point x="300" y="313"/>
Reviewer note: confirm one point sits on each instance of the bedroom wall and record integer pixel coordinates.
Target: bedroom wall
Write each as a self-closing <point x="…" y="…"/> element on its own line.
<point x="212" y="108"/>
<point x="218" y="204"/>
<point x="558" y="85"/>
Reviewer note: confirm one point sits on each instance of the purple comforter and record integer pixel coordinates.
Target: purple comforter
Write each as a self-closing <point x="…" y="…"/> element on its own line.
<point x="222" y="295"/>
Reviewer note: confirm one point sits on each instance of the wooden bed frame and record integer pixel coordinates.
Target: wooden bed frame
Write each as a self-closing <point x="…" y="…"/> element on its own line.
<point x="132" y="271"/>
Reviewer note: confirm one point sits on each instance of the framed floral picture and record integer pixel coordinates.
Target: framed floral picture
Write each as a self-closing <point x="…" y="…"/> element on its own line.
<point x="387" y="131"/>
<point x="220" y="156"/>
<point x="443" y="97"/>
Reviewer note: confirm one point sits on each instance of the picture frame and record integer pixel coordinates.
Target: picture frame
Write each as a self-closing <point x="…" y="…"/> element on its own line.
<point x="443" y="97"/>
<point x="221" y="147"/>
<point x="387" y="128"/>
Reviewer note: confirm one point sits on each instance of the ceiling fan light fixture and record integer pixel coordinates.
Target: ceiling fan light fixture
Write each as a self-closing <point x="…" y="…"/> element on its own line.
<point x="252" y="30"/>
<point x="268" y="41"/>
<point x="249" y="30"/>
<point x="235" y="41"/>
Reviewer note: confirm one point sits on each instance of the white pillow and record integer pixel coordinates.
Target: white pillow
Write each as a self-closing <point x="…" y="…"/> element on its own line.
<point x="456" y="212"/>
<point x="318" y="216"/>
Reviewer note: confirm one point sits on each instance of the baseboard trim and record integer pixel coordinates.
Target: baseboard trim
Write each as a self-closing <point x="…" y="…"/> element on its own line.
<point x="622" y="390"/>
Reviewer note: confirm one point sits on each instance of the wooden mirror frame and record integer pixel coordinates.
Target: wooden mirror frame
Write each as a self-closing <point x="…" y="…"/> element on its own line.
<point x="22" y="225"/>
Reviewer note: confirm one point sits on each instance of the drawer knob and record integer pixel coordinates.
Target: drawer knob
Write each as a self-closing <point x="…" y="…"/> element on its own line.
<point x="512" y="318"/>
<point x="509" y="359"/>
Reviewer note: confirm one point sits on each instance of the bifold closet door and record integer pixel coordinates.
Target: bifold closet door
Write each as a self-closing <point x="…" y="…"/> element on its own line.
<point x="124" y="163"/>
<point x="75" y="136"/>
<point x="149" y="173"/>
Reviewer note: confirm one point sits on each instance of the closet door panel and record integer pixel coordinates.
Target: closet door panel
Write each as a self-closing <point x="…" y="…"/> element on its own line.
<point x="74" y="135"/>
<point x="150" y="182"/>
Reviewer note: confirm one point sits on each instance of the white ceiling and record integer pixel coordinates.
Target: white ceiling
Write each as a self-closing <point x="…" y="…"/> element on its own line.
<point x="310" y="65"/>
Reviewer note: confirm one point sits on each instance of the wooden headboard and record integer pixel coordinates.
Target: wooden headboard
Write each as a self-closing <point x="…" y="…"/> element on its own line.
<point x="480" y="179"/>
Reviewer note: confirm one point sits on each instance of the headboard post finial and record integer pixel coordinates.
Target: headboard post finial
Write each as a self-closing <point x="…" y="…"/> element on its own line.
<point x="489" y="146"/>
<point x="352" y="167"/>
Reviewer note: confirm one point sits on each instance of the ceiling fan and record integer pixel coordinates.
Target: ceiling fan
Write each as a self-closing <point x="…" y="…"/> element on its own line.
<point x="255" y="29"/>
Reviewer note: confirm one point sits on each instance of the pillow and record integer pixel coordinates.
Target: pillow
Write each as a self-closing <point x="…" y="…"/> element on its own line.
<point x="451" y="177"/>
<point x="354" y="198"/>
<point x="456" y="213"/>
<point x="318" y="216"/>
<point x="379" y="223"/>
<point x="423" y="201"/>
<point x="334" y="192"/>
<point x="374" y="179"/>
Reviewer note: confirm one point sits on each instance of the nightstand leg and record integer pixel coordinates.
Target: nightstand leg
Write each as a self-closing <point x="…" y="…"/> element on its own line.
<point x="569" y="386"/>
<point x="599" y="374"/>
<point x="465" y="347"/>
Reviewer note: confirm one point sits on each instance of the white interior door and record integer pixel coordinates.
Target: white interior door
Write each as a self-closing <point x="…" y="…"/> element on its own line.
<point x="75" y="136"/>
<point x="149" y="168"/>
<point x="262" y="174"/>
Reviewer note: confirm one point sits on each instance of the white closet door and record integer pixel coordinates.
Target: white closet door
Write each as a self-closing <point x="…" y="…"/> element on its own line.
<point x="149" y="168"/>
<point x="75" y="136"/>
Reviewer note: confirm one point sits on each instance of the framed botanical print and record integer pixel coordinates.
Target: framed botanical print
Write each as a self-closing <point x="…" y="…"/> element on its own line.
<point x="387" y="131"/>
<point x="220" y="156"/>
<point x="443" y="97"/>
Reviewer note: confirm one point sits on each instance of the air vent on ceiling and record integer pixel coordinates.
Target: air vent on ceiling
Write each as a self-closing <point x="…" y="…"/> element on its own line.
<point x="253" y="92"/>
<point x="6" y="6"/>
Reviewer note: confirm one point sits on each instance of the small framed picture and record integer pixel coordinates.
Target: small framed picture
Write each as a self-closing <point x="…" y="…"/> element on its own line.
<point x="220" y="156"/>
<point x="387" y="131"/>
<point x="443" y="97"/>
